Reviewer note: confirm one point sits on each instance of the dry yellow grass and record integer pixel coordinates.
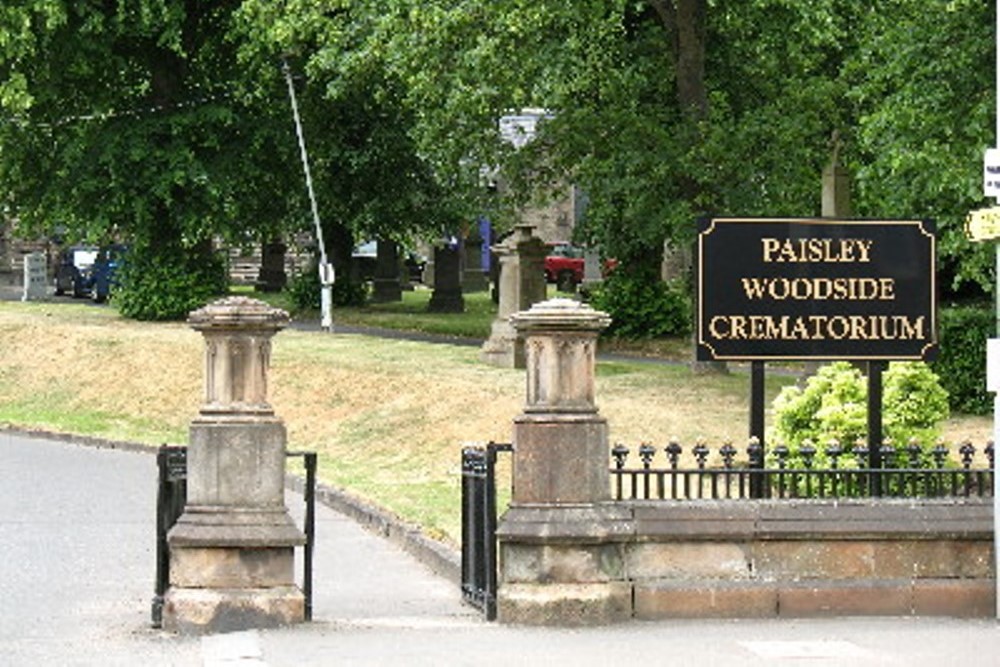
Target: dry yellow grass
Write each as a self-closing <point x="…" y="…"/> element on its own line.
<point x="388" y="417"/>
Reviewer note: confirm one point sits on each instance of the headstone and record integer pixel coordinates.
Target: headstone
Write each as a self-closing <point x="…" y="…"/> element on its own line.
<point x="386" y="283"/>
<point x="676" y="263"/>
<point x="591" y="269"/>
<point x="835" y="203"/>
<point x="35" y="277"/>
<point x="447" y="295"/>
<point x="272" y="276"/>
<point x="474" y="278"/>
<point x="232" y="550"/>
<point x="521" y="284"/>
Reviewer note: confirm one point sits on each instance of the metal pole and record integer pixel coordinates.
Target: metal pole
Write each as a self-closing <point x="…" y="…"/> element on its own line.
<point x="757" y="389"/>
<point x="875" y="426"/>
<point x="996" y="399"/>
<point x="310" y="526"/>
<point x="325" y="274"/>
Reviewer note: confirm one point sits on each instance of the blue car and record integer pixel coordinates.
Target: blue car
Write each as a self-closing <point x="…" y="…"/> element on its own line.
<point x="104" y="271"/>
<point x="73" y="272"/>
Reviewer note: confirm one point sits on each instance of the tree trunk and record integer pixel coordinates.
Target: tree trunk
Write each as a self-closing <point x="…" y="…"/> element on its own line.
<point x="685" y="22"/>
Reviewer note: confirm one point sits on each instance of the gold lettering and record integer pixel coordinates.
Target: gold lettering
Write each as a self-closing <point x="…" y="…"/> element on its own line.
<point x="844" y="328"/>
<point x="738" y="327"/>
<point x="864" y="247"/>
<point x="817" y="327"/>
<point x="858" y="331"/>
<point x="712" y="327"/>
<point x="909" y="331"/>
<point x="770" y="247"/>
<point x="754" y="287"/>
<point x="827" y="251"/>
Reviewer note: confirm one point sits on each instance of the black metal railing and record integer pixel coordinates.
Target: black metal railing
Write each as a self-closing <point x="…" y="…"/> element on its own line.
<point x="910" y="471"/>
<point x="171" y="496"/>
<point x="479" y="526"/>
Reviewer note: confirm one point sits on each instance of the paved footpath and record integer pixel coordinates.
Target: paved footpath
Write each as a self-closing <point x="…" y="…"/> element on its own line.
<point x="76" y="577"/>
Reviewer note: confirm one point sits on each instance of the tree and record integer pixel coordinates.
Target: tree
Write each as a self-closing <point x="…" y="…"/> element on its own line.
<point x="921" y="83"/>
<point x="126" y="126"/>
<point x="166" y="123"/>
<point x="372" y="180"/>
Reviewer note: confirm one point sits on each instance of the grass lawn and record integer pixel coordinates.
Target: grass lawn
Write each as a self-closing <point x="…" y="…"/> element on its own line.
<point x="388" y="417"/>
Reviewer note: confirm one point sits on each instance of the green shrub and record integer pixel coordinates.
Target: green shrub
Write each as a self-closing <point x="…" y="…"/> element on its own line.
<point x="305" y="291"/>
<point x="167" y="284"/>
<point x="643" y="308"/>
<point x="833" y="405"/>
<point x="961" y="363"/>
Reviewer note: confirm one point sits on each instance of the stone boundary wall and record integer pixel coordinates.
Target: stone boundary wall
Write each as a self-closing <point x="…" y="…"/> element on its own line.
<point x="730" y="559"/>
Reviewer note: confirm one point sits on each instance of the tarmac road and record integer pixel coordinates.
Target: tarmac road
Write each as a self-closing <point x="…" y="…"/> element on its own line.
<point x="76" y="579"/>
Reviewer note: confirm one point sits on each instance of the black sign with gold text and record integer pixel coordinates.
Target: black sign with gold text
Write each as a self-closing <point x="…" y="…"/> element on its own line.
<point x="771" y="288"/>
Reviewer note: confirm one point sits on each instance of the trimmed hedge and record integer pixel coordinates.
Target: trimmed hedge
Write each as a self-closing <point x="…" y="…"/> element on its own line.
<point x="643" y="307"/>
<point x="961" y="364"/>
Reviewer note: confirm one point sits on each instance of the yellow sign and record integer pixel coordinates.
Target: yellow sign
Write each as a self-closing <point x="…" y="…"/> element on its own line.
<point x="984" y="224"/>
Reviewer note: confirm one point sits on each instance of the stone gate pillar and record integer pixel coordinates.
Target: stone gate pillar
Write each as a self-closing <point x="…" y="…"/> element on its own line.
<point x="232" y="551"/>
<point x="522" y="283"/>
<point x="560" y="563"/>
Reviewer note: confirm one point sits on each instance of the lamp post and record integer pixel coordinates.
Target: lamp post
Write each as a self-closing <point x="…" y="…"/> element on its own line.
<point x="326" y="275"/>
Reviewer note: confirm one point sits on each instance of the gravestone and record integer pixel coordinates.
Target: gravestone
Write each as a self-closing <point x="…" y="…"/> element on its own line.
<point x="521" y="283"/>
<point x="474" y="278"/>
<point x="447" y="295"/>
<point x="272" y="276"/>
<point x="386" y="284"/>
<point x="591" y="269"/>
<point x="232" y="550"/>
<point x="35" y="277"/>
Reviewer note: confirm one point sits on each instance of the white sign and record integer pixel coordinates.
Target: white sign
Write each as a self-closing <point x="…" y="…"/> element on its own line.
<point x="993" y="365"/>
<point x="327" y="276"/>
<point x="991" y="173"/>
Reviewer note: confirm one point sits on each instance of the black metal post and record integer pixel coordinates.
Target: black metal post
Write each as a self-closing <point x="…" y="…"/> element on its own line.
<point x="490" y="529"/>
<point x="757" y="427"/>
<point x="171" y="495"/>
<point x="162" y="564"/>
<point x="875" y="369"/>
<point x="310" y="521"/>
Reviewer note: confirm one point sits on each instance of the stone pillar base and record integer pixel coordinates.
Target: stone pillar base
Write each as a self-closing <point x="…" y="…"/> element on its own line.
<point x="195" y="611"/>
<point x="562" y="565"/>
<point x="565" y="604"/>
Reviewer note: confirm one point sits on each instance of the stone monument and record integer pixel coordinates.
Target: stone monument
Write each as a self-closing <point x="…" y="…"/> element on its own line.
<point x="386" y="285"/>
<point x="521" y="284"/>
<point x="447" y="295"/>
<point x="272" y="277"/>
<point x="592" y="275"/>
<point x="232" y="550"/>
<point x="556" y="564"/>
<point x="35" y="277"/>
<point x="474" y="278"/>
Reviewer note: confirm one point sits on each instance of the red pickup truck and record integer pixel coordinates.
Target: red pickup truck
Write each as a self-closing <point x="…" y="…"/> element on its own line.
<point x="564" y="266"/>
